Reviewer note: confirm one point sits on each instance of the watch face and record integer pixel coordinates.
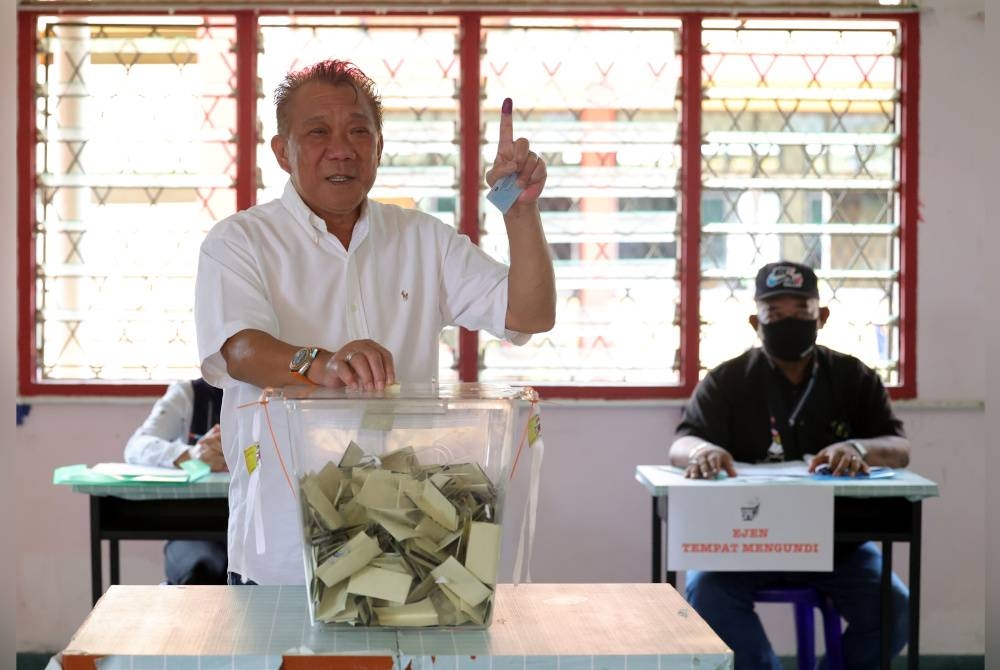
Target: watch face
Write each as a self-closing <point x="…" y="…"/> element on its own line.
<point x="299" y="359"/>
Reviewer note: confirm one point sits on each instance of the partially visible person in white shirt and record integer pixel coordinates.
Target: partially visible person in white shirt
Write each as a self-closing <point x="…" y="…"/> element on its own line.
<point x="166" y="439"/>
<point x="326" y="286"/>
<point x="184" y="424"/>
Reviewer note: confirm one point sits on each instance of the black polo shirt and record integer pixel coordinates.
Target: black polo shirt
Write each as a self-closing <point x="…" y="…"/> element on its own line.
<point x="734" y="404"/>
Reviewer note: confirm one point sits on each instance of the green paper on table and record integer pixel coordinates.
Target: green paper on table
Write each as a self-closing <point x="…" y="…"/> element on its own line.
<point x="123" y="474"/>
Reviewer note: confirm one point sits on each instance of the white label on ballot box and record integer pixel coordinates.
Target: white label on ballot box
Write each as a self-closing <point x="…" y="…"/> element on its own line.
<point x="745" y="528"/>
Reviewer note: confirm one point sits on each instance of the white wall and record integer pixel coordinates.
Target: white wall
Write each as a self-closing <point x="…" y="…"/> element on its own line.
<point x="594" y="519"/>
<point x="991" y="285"/>
<point x="8" y="124"/>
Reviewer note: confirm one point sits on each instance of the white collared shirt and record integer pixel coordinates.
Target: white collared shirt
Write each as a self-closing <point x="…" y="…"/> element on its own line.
<point x="163" y="436"/>
<point x="275" y="268"/>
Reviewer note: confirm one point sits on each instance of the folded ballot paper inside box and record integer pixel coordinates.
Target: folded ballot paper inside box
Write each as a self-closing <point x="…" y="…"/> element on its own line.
<point x="401" y="495"/>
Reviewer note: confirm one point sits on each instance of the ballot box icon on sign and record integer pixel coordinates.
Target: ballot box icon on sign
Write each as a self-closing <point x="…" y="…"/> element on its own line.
<point x="750" y="510"/>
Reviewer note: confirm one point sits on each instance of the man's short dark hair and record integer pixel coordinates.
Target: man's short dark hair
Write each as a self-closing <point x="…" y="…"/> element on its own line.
<point x="335" y="72"/>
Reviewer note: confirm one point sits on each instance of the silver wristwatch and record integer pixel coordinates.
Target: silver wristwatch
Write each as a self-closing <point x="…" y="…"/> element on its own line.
<point x="302" y="360"/>
<point x="862" y="449"/>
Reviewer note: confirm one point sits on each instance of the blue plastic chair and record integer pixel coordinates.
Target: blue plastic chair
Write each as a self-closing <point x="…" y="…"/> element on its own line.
<point x="805" y="599"/>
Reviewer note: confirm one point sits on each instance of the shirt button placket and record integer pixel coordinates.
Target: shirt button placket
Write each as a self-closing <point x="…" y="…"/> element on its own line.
<point x="355" y="314"/>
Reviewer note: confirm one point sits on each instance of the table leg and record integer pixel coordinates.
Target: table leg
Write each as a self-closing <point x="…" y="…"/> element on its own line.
<point x="657" y="542"/>
<point x="913" y="647"/>
<point x="886" y="598"/>
<point x="671" y="574"/>
<point x="113" y="564"/>
<point x="95" y="549"/>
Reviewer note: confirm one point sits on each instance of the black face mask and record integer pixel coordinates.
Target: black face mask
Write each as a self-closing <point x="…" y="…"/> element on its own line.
<point x="789" y="339"/>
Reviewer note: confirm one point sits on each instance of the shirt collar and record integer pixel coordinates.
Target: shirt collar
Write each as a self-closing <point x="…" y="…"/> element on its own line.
<point x="313" y="223"/>
<point x="812" y="369"/>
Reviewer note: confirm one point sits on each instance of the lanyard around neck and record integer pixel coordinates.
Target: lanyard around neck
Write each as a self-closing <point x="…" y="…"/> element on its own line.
<point x="802" y="400"/>
<point x="793" y="417"/>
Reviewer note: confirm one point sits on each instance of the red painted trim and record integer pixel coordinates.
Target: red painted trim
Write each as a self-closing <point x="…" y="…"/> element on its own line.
<point x="105" y="10"/>
<point x="909" y="202"/>
<point x="690" y="260"/>
<point x="110" y="11"/>
<point x="612" y="392"/>
<point x="26" y="133"/>
<point x="95" y="389"/>
<point x="77" y="661"/>
<point x="246" y="109"/>
<point x="470" y="181"/>
<point x="85" y="661"/>
<point x="323" y="662"/>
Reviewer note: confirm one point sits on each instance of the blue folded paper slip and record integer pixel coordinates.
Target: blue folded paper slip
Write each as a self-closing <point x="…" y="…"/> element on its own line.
<point x="504" y="193"/>
<point x="875" y="472"/>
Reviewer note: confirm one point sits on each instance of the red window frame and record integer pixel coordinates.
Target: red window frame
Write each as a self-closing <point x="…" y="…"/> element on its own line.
<point x="469" y="195"/>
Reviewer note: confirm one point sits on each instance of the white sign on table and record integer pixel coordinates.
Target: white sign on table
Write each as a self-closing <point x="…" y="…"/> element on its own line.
<point x="750" y="528"/>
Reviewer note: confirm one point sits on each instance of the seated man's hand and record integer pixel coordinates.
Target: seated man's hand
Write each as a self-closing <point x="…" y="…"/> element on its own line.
<point x="706" y="461"/>
<point x="359" y="365"/>
<point x="207" y="449"/>
<point x="842" y="458"/>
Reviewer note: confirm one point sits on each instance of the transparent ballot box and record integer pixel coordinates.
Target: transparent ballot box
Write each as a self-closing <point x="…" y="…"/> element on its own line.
<point x="401" y="497"/>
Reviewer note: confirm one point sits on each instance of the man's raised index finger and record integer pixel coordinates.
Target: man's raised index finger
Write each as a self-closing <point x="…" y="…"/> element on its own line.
<point x="507" y="124"/>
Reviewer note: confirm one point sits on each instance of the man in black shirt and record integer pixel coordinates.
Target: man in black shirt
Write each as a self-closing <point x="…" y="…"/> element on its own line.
<point x="790" y="400"/>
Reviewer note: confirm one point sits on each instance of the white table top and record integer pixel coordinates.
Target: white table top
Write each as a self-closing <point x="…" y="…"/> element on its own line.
<point x="546" y="626"/>
<point x="659" y="479"/>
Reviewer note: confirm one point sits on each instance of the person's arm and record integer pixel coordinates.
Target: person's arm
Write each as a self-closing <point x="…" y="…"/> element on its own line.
<point x="531" y="288"/>
<point x="706" y="414"/>
<point x="889" y="450"/>
<point x="254" y="357"/>
<point x="237" y="326"/>
<point x="878" y="439"/>
<point x="844" y="458"/>
<point x="531" y="284"/>
<point x="162" y="437"/>
<point x="699" y="458"/>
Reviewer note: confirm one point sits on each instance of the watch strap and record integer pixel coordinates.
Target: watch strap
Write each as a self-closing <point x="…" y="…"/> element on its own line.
<point x="302" y="378"/>
<point x="862" y="450"/>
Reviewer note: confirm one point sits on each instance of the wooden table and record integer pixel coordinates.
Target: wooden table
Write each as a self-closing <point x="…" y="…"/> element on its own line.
<point x="880" y="510"/>
<point x="541" y="626"/>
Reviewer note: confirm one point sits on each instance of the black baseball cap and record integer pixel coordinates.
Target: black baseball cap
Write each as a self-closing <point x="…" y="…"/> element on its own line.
<point x="786" y="278"/>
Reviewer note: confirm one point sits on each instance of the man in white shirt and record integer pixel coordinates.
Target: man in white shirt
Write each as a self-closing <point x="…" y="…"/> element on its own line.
<point x="183" y="424"/>
<point x="327" y="287"/>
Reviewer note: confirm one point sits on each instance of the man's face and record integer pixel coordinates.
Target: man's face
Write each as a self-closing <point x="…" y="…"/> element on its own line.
<point x="332" y="149"/>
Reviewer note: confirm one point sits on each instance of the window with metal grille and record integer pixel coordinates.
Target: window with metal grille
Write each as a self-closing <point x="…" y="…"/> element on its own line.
<point x="598" y="99"/>
<point x="801" y="132"/>
<point x="134" y="159"/>
<point x="683" y="152"/>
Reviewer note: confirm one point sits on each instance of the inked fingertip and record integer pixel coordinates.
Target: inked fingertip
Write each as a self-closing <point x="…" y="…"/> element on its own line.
<point x="508" y="106"/>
